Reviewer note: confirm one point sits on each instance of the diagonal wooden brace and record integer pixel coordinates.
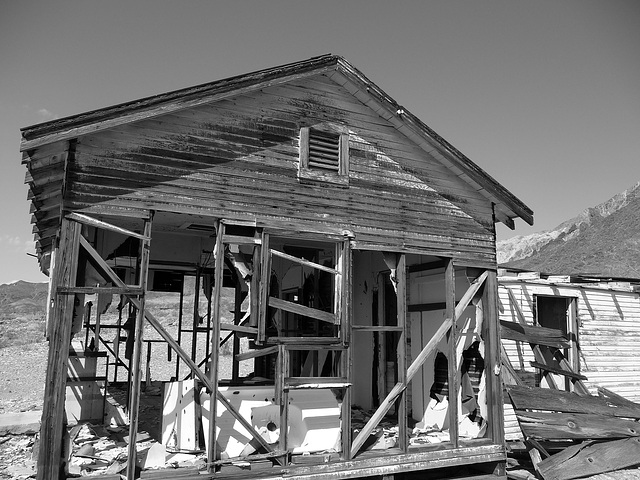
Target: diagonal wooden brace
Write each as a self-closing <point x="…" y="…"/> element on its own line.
<point x="174" y="345"/>
<point x="417" y="364"/>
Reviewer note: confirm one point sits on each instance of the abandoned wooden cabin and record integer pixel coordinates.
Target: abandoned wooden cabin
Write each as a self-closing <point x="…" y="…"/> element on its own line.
<point x="318" y="231"/>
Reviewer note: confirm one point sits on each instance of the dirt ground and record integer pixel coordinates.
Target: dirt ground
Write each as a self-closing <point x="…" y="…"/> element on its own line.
<point x="22" y="374"/>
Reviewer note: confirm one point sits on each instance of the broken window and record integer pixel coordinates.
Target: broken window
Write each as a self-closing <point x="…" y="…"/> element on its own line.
<point x="558" y="313"/>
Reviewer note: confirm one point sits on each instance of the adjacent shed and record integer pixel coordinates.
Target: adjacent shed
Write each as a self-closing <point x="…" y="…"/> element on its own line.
<point x="315" y="237"/>
<point x="598" y="317"/>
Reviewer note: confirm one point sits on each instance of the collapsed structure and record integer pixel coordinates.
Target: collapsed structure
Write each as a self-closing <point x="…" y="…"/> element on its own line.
<point x="343" y="249"/>
<point x="571" y="370"/>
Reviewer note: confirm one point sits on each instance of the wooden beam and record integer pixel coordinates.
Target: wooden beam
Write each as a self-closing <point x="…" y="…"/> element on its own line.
<point x="257" y="353"/>
<point x="302" y="310"/>
<point x="529" y="398"/>
<point x="238" y="328"/>
<point x="346" y="358"/>
<point x="401" y="313"/>
<point x="549" y="337"/>
<point x="215" y="340"/>
<point x="452" y="364"/>
<point x="263" y="286"/>
<point x="376" y="328"/>
<point x="53" y="413"/>
<point x="303" y="261"/>
<point x="575" y="426"/>
<point x="590" y="458"/>
<point x="558" y="371"/>
<point x="87" y="220"/>
<point x="108" y="290"/>
<point x="493" y="351"/>
<point x="137" y="353"/>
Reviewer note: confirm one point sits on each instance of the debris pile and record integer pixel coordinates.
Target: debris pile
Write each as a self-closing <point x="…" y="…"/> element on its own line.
<point x="571" y="436"/>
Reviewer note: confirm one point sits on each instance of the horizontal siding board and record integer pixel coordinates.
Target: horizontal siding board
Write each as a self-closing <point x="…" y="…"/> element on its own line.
<point x="157" y="198"/>
<point x="608" y="334"/>
<point x="276" y="189"/>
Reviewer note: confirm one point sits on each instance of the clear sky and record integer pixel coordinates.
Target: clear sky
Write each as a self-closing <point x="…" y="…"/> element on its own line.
<point x="542" y="94"/>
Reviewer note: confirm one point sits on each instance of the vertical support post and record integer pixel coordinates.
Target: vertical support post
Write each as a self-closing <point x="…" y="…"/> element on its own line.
<point x="381" y="353"/>
<point x="254" y="289"/>
<point x="401" y="306"/>
<point x="346" y="355"/>
<point x="282" y="394"/>
<point x="196" y="318"/>
<point x="136" y="373"/>
<point x="215" y="341"/>
<point x="453" y="376"/>
<point x="237" y="316"/>
<point x="265" y="278"/>
<point x="53" y="413"/>
<point x="492" y="360"/>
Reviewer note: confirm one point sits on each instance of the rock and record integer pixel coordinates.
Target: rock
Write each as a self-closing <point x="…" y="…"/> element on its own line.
<point x="23" y="423"/>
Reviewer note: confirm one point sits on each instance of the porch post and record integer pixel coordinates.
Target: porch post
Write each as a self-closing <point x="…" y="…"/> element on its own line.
<point x="53" y="412"/>
<point x="136" y="378"/>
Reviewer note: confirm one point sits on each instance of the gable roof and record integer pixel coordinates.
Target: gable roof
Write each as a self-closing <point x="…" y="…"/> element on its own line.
<point x="507" y="206"/>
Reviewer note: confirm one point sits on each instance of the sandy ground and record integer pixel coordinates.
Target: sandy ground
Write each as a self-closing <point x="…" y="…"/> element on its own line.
<point x="22" y="375"/>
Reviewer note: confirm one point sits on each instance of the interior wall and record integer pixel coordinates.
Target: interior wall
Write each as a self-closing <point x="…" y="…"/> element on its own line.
<point x="366" y="267"/>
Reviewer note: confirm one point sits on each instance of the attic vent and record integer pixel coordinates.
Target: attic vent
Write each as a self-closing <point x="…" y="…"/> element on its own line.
<point x="324" y="150"/>
<point x="324" y="156"/>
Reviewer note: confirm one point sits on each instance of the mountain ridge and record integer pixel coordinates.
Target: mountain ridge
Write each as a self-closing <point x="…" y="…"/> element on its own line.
<point x="603" y="240"/>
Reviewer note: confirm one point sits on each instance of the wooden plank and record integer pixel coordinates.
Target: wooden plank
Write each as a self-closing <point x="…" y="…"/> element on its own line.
<point x="129" y="290"/>
<point x="257" y="353"/>
<point x="136" y="369"/>
<point x="530" y="398"/>
<point x="51" y="430"/>
<point x="401" y="313"/>
<point x="549" y="337"/>
<point x="302" y="310"/>
<point x="511" y="377"/>
<point x="495" y="400"/>
<point x="558" y="371"/>
<point x="345" y="312"/>
<point x="614" y="397"/>
<point x="263" y="286"/>
<point x="215" y="340"/>
<point x="303" y="261"/>
<point x="376" y="328"/>
<point x="453" y="373"/>
<point x="556" y="426"/>
<point x="93" y="222"/>
<point x="316" y="386"/>
<point x="591" y="458"/>
<point x="238" y="328"/>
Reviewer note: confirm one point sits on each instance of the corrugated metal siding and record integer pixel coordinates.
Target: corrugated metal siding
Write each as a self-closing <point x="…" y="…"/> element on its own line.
<point x="238" y="159"/>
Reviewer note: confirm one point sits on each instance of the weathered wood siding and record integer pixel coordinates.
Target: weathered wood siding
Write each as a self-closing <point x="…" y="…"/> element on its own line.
<point x="608" y="332"/>
<point x="238" y="159"/>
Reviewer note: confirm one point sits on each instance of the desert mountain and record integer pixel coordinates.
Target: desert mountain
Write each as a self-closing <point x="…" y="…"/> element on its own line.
<point x="602" y="241"/>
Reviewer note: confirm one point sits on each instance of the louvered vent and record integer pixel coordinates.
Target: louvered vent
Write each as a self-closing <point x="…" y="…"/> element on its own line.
<point x="324" y="150"/>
